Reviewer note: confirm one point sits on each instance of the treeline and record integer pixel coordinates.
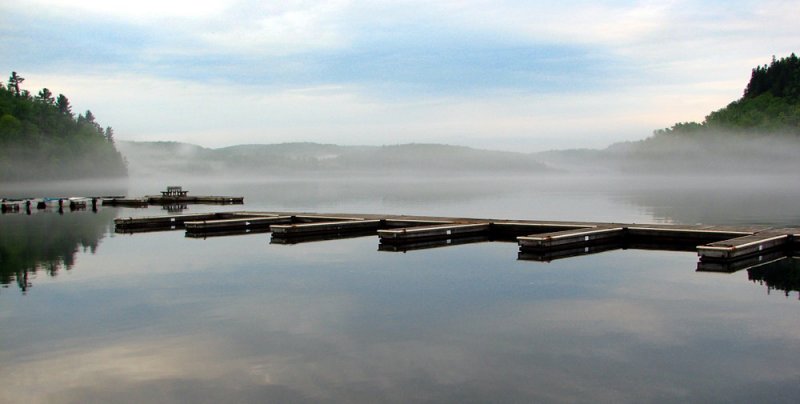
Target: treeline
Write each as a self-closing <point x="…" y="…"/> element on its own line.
<point x="758" y="133"/>
<point x="770" y="104"/>
<point x="42" y="139"/>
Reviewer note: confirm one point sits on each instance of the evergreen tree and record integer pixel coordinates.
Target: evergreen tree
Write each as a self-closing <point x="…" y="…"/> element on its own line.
<point x="109" y="134"/>
<point x="13" y="83"/>
<point x="46" y="96"/>
<point x="62" y="103"/>
<point x="781" y="78"/>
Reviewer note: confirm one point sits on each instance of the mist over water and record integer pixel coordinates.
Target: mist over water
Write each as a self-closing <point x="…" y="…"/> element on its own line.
<point x="713" y="178"/>
<point x="160" y="317"/>
<point x="685" y="199"/>
<point x="735" y="199"/>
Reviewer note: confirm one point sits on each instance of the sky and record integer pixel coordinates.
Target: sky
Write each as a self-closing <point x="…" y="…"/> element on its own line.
<point x="502" y="75"/>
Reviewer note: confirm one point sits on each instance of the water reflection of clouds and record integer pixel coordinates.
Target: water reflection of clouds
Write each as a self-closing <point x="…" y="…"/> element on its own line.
<point x="161" y="318"/>
<point x="547" y="352"/>
<point x="132" y="370"/>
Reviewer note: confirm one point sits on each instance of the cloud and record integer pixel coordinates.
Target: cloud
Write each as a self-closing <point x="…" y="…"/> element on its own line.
<point x="281" y="28"/>
<point x="221" y="114"/>
<point x="583" y="22"/>
<point x="141" y="10"/>
<point x="488" y="73"/>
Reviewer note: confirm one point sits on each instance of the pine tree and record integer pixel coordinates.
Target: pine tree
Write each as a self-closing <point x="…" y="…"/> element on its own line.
<point x="109" y="134"/>
<point x="14" y="81"/>
<point x="62" y="103"/>
<point x="46" y="96"/>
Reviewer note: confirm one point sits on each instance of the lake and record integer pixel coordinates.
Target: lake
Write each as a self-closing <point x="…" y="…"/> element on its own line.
<point x="88" y="315"/>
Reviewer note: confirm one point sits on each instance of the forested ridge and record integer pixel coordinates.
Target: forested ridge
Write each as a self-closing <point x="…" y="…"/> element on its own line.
<point x="758" y="133"/>
<point x="42" y="139"/>
<point x="770" y="104"/>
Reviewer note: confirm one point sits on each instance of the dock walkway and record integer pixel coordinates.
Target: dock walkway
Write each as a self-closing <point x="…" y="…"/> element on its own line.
<point x="717" y="246"/>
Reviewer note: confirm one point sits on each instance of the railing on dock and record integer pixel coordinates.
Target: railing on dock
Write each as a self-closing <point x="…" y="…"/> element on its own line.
<point x="174" y="191"/>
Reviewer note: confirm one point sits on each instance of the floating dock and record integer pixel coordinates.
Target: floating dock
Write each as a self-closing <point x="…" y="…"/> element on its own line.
<point x="127" y="202"/>
<point x="720" y="248"/>
<point x="168" y="200"/>
<point x="174" y="195"/>
<point x="235" y="223"/>
<point x="60" y="203"/>
<point x="212" y="200"/>
<point x="435" y="232"/>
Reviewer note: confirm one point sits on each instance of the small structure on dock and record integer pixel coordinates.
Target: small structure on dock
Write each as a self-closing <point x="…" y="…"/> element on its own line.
<point x="174" y="191"/>
<point x="175" y="194"/>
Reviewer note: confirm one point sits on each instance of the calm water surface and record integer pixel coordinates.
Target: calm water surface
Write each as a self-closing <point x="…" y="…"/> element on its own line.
<point x="87" y="315"/>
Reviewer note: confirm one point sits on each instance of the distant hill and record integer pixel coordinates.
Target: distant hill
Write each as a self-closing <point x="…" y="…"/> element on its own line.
<point x="156" y="158"/>
<point x="760" y="132"/>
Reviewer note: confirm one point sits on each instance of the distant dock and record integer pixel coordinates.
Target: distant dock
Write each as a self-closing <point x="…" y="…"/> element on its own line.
<point x="175" y="198"/>
<point x="720" y="248"/>
<point x="173" y="195"/>
<point x="27" y="205"/>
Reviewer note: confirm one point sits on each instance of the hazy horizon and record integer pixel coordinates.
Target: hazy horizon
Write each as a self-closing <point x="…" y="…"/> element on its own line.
<point x="514" y="76"/>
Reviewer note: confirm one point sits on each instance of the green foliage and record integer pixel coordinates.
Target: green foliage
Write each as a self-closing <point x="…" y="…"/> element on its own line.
<point x="763" y="113"/>
<point x="41" y="140"/>
<point x="14" y="82"/>
<point x="781" y="79"/>
<point x="759" y="132"/>
<point x="771" y="104"/>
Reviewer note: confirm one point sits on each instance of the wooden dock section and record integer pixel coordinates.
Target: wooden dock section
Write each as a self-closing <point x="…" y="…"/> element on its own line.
<point x="432" y="243"/>
<point x="170" y="222"/>
<point x="317" y="237"/>
<point x="745" y="245"/>
<point x="340" y="226"/>
<point x="439" y="231"/>
<point x="537" y="240"/>
<point x="174" y="195"/>
<point x="127" y="202"/>
<point x="212" y="200"/>
<point x="591" y="235"/>
<point x="700" y="233"/>
<point x="237" y="223"/>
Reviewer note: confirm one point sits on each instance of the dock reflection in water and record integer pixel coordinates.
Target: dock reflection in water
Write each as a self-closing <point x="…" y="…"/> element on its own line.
<point x="161" y="317"/>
